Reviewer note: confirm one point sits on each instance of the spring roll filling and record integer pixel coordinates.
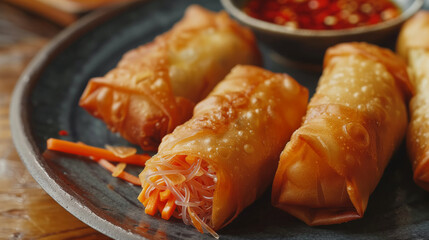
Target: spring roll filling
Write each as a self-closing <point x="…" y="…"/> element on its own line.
<point x="183" y="187"/>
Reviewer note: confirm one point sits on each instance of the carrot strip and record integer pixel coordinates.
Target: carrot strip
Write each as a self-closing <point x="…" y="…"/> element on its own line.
<point x="169" y="208"/>
<point x="143" y="193"/>
<point x="151" y="207"/>
<point x="164" y="195"/>
<point x="121" y="151"/>
<point x="142" y="197"/>
<point x="95" y="152"/>
<point x="145" y="202"/>
<point x="197" y="224"/>
<point x="119" y="169"/>
<point x="161" y="206"/>
<point x="190" y="159"/>
<point x="123" y="175"/>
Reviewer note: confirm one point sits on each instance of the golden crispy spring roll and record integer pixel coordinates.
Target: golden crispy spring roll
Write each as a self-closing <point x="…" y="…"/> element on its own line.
<point x="413" y="45"/>
<point x="225" y="156"/>
<point x="154" y="88"/>
<point x="353" y="124"/>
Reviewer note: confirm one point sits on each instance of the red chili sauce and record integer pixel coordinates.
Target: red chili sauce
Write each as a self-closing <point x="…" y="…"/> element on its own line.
<point x="322" y="14"/>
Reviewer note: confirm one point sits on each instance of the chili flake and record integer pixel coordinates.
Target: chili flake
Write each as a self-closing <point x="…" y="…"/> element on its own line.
<point x="63" y="133"/>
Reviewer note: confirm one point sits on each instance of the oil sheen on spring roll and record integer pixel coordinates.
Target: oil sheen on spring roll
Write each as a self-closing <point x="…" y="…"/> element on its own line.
<point x="155" y="87"/>
<point x="226" y="155"/>
<point x="413" y="45"/>
<point x="353" y="124"/>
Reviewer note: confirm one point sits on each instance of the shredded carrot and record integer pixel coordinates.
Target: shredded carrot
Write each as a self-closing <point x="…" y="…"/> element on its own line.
<point x="178" y="159"/>
<point x="190" y="159"/>
<point x="164" y="195"/>
<point x="142" y="198"/>
<point x="121" y="151"/>
<point x="142" y="195"/>
<point x="95" y="152"/>
<point x="160" y="206"/>
<point x="151" y="207"/>
<point x="169" y="208"/>
<point x="145" y="202"/>
<point x="163" y="202"/>
<point x="196" y="223"/>
<point x="123" y="175"/>
<point x="119" y="169"/>
<point x="156" y="178"/>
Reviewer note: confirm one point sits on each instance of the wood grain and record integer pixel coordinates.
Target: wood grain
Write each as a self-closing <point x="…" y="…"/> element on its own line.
<point x="60" y="17"/>
<point x="26" y="211"/>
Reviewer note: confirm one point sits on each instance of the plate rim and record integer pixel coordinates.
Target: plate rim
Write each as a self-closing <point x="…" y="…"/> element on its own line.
<point x="21" y="131"/>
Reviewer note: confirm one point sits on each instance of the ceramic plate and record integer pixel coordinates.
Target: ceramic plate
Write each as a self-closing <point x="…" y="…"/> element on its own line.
<point x="46" y="101"/>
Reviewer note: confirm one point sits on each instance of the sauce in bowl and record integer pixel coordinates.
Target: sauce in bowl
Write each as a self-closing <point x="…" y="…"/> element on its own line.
<point x="322" y="14"/>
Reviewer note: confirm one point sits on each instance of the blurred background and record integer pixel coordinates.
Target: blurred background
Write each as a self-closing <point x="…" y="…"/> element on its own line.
<point x="26" y="211"/>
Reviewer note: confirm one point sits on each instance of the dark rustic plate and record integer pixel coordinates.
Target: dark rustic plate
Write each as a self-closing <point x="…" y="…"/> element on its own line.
<point x="45" y="101"/>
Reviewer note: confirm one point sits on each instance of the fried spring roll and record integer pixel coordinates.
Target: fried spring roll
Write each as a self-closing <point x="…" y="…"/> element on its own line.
<point x="154" y="88"/>
<point x="225" y="156"/>
<point x="353" y="124"/>
<point x="413" y="45"/>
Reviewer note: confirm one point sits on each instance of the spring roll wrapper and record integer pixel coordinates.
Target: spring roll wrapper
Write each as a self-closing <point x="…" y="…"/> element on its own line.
<point x="240" y="130"/>
<point x="155" y="87"/>
<point x="413" y="45"/>
<point x="353" y="124"/>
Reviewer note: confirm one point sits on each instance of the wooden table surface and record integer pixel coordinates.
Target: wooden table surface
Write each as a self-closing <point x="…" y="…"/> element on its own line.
<point x="26" y="211"/>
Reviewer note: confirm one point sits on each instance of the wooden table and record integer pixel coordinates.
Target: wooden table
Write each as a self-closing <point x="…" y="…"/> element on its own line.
<point x="26" y="211"/>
